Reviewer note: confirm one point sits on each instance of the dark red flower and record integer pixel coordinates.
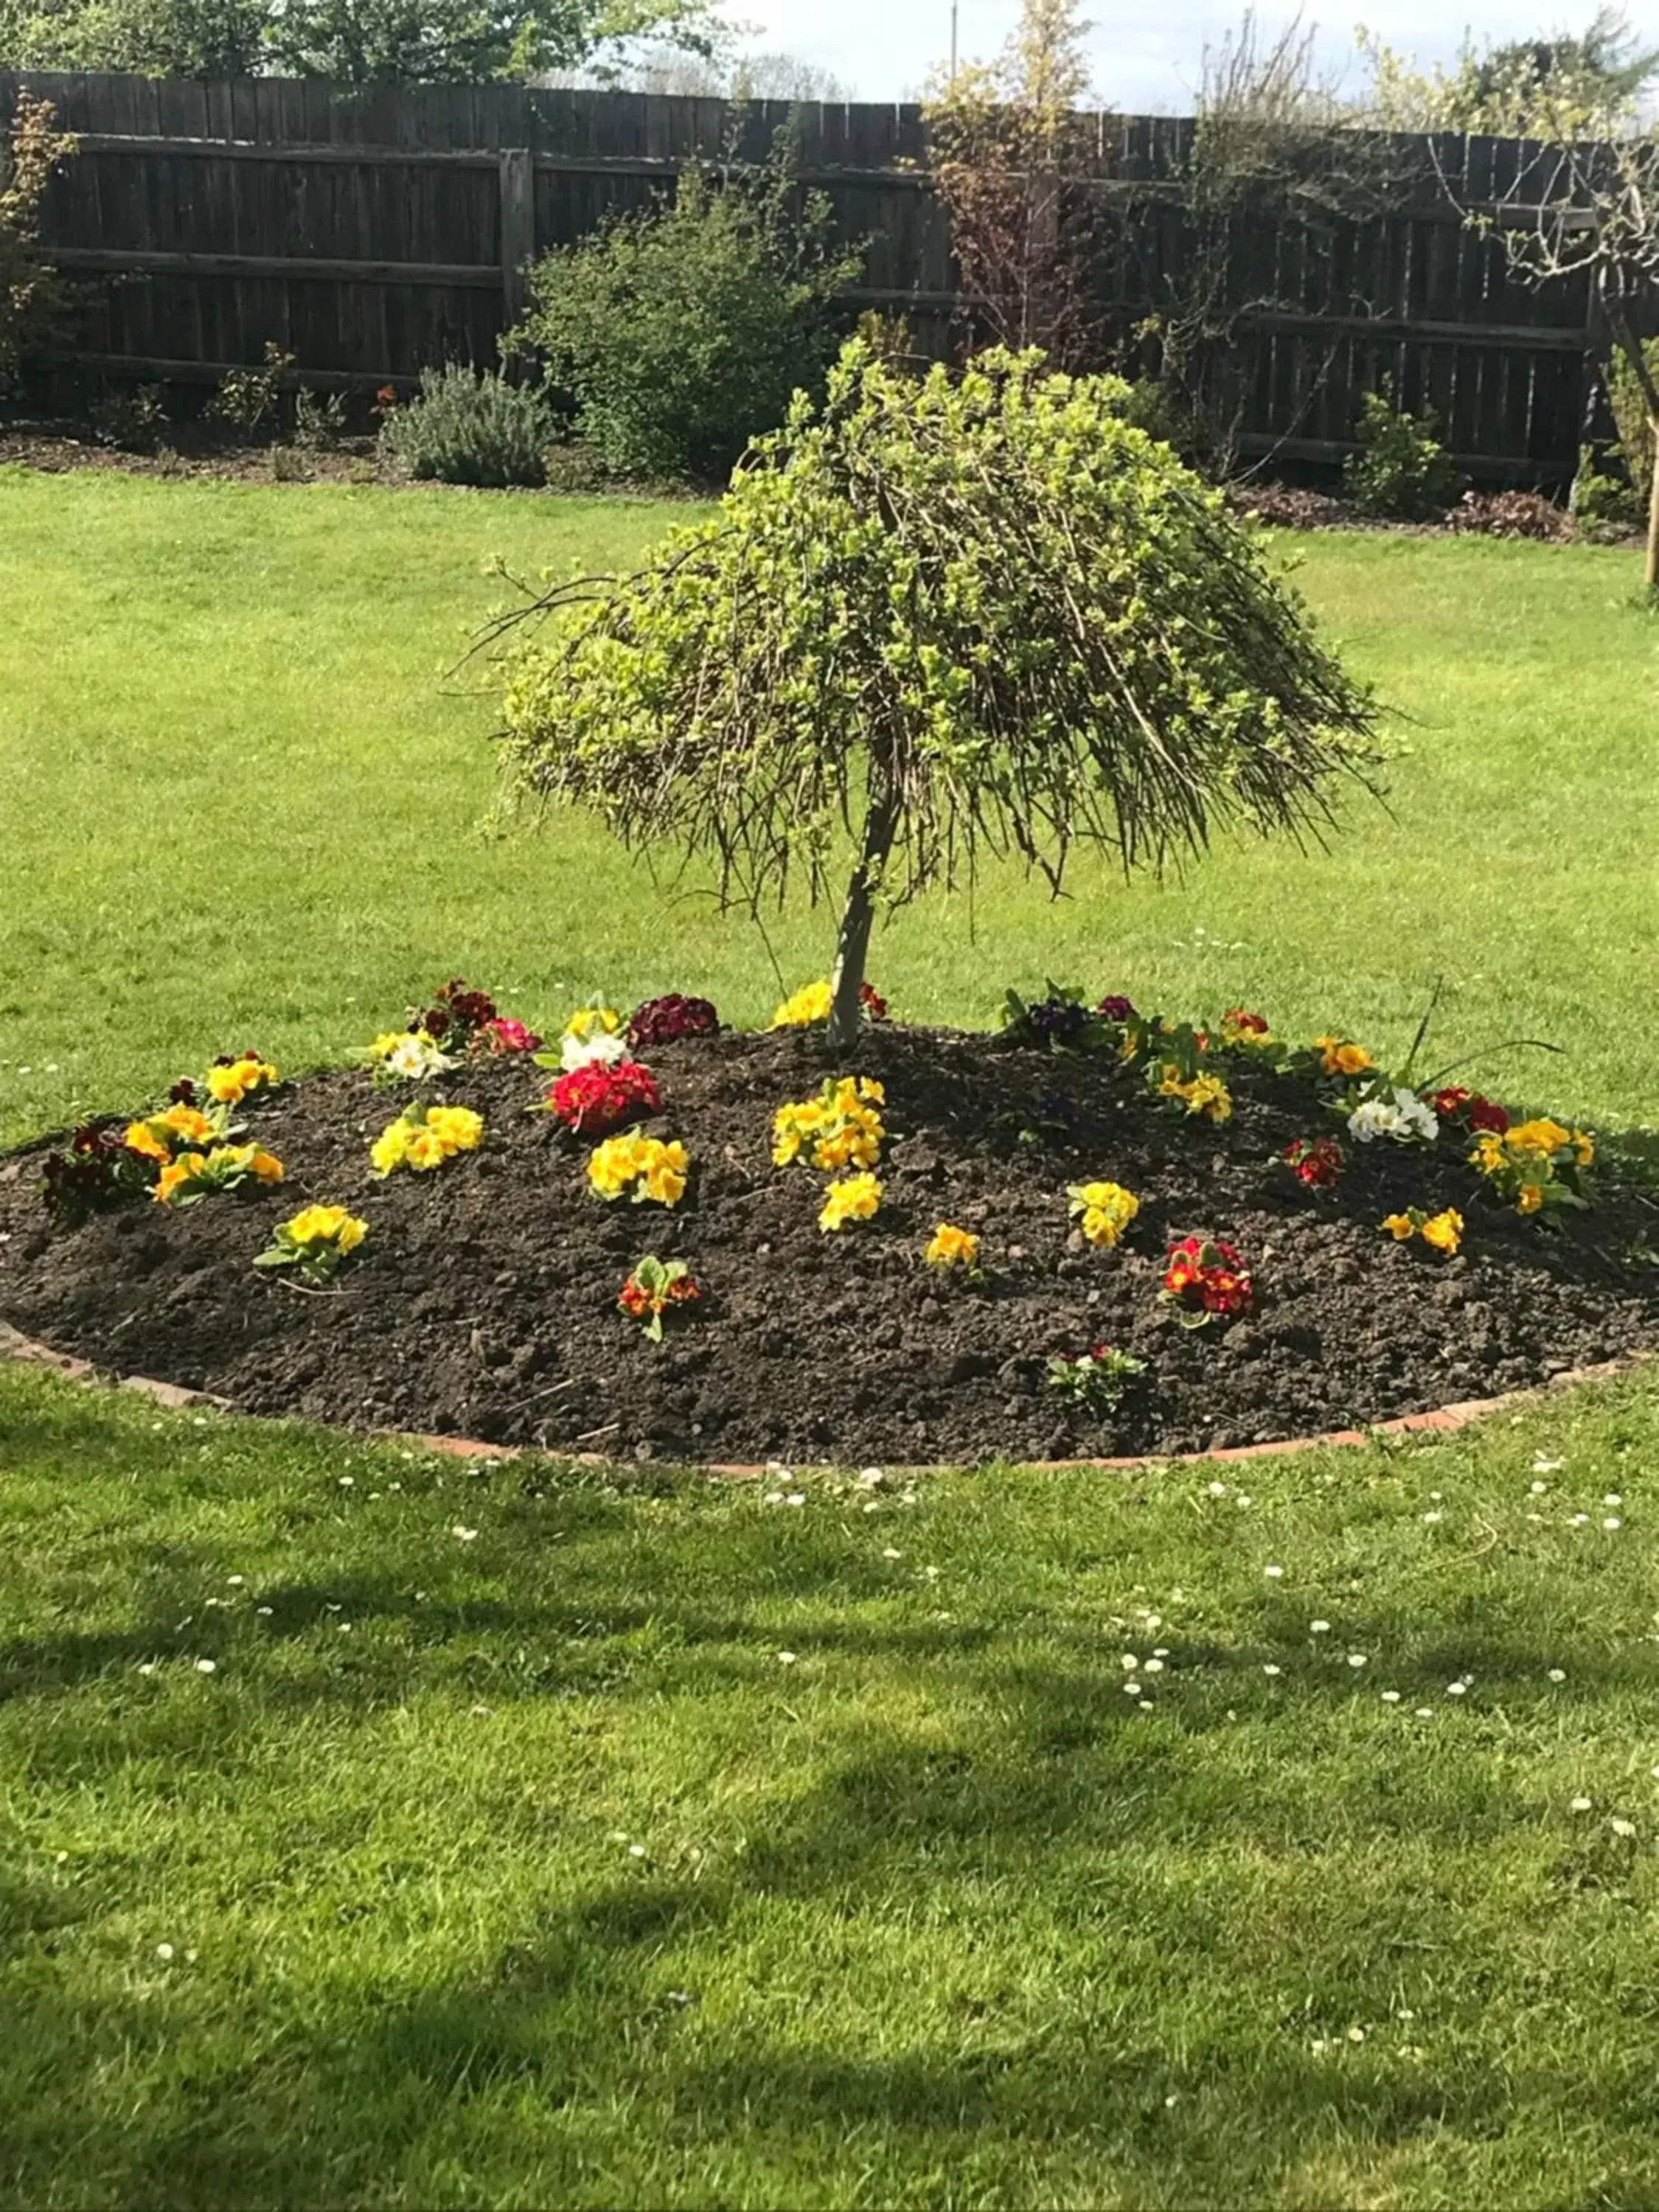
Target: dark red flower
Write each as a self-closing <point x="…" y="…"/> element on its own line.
<point x="1486" y="1113"/>
<point x="1241" y="1023"/>
<point x="874" y="1006"/>
<point x="183" y="1093"/>
<point x="1314" y="1161"/>
<point x="1116" y="1008"/>
<point x="666" y="1020"/>
<point x="1206" y="1275"/>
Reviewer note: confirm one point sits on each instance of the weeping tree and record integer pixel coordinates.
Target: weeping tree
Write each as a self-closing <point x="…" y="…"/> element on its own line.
<point x="937" y="621"/>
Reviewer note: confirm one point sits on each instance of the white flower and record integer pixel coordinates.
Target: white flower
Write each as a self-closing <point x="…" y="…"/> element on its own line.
<point x="1356" y="1659"/>
<point x="870" y="1476"/>
<point x="1434" y="1517"/>
<point x="348" y="1482"/>
<point x="1424" y="1712"/>
<point x="602" y="1049"/>
<point x="1131" y="1689"/>
<point x="1129" y="1662"/>
<point x="207" y="1666"/>
<point x="1356" y="2035"/>
<point x="1404" y="1119"/>
<point x="461" y="1535"/>
<point x="1579" y="1804"/>
<point x="1579" y="1521"/>
<point x="263" y="1611"/>
<point x="1622" y="1827"/>
<point x="1458" y="1689"/>
<point x="1319" y="1628"/>
<point x="1271" y="1669"/>
<point x="1154" y="1667"/>
<point x="786" y="1658"/>
<point x="1558" y="1673"/>
<point x="890" y="1554"/>
<point x="1218" y="1489"/>
<point x="236" y="1582"/>
<point x="1160" y="1652"/>
<point x="637" y="1851"/>
<point x="164" y="1952"/>
<point x="796" y="1498"/>
<point x="1612" y="1521"/>
<point x="1391" y="1697"/>
<point x="1540" y="1489"/>
<point x="1273" y="1574"/>
<point x="148" y="1667"/>
<point x="1613" y="1497"/>
<point x="1541" y="1465"/>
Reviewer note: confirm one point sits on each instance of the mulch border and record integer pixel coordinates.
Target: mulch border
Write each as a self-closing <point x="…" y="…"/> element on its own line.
<point x="18" y="1350"/>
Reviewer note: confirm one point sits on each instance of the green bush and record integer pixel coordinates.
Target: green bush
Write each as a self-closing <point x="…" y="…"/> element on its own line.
<point x="1604" y="508"/>
<point x="32" y="304"/>
<point x="1629" y="413"/>
<point x="470" y="427"/>
<point x="1401" y="473"/>
<point x="682" y="332"/>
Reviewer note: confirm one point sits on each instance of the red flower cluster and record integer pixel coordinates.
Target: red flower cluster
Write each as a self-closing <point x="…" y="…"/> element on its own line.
<point x="504" y="1036"/>
<point x="1314" y="1161"/>
<point x="1469" y="1107"/>
<point x="596" y="1099"/>
<point x="874" y="1006"/>
<point x="1242" y="1024"/>
<point x="1207" y="1276"/>
<point x="664" y="1021"/>
<point x="1116" y="1008"/>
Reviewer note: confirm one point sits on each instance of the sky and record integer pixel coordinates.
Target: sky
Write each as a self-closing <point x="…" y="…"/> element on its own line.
<point x="1147" y="57"/>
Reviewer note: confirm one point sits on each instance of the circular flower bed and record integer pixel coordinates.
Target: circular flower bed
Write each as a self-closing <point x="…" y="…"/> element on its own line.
<point x="1092" y="1233"/>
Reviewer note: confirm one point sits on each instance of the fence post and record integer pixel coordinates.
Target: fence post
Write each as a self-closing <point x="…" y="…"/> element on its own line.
<point x="518" y="174"/>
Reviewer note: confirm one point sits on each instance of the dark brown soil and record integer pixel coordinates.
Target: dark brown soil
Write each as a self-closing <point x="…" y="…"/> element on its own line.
<point x="483" y="1300"/>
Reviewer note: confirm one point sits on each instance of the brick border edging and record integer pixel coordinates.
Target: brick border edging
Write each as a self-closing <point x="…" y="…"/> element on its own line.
<point x="18" y="1350"/>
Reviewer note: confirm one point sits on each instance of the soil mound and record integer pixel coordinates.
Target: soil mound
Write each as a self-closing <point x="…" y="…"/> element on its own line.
<point x="483" y="1302"/>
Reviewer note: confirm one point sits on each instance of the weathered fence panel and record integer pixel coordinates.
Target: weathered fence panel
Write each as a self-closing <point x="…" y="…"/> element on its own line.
<point x="370" y="234"/>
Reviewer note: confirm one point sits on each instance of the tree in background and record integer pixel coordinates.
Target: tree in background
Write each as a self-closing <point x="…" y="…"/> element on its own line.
<point x="683" y="76"/>
<point x="30" y="304"/>
<point x="1587" y="86"/>
<point x="352" y="41"/>
<point x="954" y="618"/>
<point x="1008" y="143"/>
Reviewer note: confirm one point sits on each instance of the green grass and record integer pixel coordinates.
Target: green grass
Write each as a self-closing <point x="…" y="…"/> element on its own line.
<point x="523" y="1870"/>
<point x="520" y="1869"/>
<point x="244" y="799"/>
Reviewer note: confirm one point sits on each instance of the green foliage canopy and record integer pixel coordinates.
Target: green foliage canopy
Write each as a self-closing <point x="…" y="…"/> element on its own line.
<point x="351" y="41"/>
<point x="951" y="616"/>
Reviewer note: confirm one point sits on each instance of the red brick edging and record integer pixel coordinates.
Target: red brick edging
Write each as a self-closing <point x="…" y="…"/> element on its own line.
<point x="23" y="1351"/>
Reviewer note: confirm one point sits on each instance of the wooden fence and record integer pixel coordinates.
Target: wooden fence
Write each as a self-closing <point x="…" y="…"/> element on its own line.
<point x="371" y="233"/>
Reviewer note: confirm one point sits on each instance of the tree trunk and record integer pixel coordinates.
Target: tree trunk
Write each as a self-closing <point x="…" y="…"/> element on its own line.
<point x="1653" y="515"/>
<point x="852" y="949"/>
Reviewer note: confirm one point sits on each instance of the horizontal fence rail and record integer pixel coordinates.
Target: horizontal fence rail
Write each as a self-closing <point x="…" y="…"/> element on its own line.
<point x="372" y="234"/>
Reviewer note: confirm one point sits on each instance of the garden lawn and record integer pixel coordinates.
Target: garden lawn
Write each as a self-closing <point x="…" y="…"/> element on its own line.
<point x="533" y="1842"/>
<point x="244" y="802"/>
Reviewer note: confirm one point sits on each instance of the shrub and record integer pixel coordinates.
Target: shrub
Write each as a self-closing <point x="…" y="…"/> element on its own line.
<point x="682" y="332"/>
<point x="470" y="427"/>
<point x="251" y="399"/>
<point x="1629" y="413"/>
<point x="968" y="617"/>
<point x="1509" y="515"/>
<point x="1605" y="508"/>
<point x="131" y="421"/>
<point x="31" y="301"/>
<point x="1401" y="473"/>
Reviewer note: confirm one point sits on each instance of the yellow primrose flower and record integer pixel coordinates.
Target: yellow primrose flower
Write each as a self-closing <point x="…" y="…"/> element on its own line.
<point x="321" y="1224"/>
<point x="1445" y="1231"/>
<point x="388" y="1151"/>
<point x="141" y="1138"/>
<point x="590" y="1021"/>
<point x="810" y="1004"/>
<point x="1339" y="1057"/>
<point x="266" y="1166"/>
<point x="424" y="1149"/>
<point x="855" y="1198"/>
<point x="1400" y="1226"/>
<point x="1584" y="1149"/>
<point x="1103" y="1210"/>
<point x="175" y="1175"/>
<point x="190" y="1124"/>
<point x="653" y="1170"/>
<point x="1542" y="1136"/>
<point x="1530" y="1198"/>
<point x="1205" y="1094"/>
<point x="457" y="1128"/>
<point x="230" y="1085"/>
<point x="841" y="1125"/>
<point x="951" y="1247"/>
